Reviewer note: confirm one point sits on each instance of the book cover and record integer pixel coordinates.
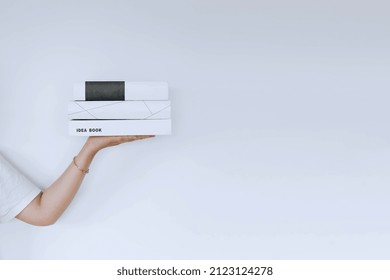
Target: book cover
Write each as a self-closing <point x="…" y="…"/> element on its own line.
<point x="119" y="127"/>
<point x="137" y="110"/>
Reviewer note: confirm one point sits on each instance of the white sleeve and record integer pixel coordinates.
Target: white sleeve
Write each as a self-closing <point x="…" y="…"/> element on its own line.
<point x="16" y="191"/>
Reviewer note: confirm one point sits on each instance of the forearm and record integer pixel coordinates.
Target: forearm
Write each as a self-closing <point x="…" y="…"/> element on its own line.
<point x="60" y="194"/>
<point x="49" y="205"/>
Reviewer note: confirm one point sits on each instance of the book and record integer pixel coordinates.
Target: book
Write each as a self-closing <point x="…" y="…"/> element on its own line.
<point x="119" y="127"/>
<point x="120" y="91"/>
<point x="125" y="110"/>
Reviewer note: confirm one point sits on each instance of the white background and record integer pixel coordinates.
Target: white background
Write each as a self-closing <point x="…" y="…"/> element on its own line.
<point x="280" y="115"/>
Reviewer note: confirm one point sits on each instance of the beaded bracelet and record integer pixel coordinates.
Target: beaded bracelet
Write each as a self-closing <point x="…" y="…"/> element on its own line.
<point x="82" y="170"/>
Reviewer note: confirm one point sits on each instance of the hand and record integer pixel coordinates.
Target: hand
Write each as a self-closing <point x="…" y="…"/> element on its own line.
<point x="96" y="143"/>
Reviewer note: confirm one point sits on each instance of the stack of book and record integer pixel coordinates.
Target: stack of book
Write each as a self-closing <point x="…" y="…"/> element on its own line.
<point x="107" y="108"/>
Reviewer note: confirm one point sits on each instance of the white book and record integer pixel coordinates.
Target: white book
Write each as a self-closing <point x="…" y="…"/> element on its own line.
<point x="125" y="110"/>
<point x="120" y="91"/>
<point x="119" y="127"/>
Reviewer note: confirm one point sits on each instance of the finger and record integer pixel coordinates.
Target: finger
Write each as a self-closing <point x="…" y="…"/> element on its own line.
<point x="134" y="138"/>
<point x="138" y="137"/>
<point x="129" y="138"/>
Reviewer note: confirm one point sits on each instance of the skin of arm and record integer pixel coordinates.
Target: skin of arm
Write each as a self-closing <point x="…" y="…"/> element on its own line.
<point x="49" y="205"/>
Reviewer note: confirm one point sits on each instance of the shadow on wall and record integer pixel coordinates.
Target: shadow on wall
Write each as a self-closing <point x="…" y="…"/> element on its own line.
<point x="18" y="240"/>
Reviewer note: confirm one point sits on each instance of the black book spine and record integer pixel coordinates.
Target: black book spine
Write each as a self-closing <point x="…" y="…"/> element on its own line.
<point x="105" y="91"/>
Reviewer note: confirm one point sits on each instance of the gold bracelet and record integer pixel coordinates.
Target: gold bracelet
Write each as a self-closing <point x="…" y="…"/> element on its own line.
<point x="82" y="170"/>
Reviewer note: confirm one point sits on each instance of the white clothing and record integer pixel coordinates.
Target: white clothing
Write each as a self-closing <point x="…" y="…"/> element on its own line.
<point x="16" y="191"/>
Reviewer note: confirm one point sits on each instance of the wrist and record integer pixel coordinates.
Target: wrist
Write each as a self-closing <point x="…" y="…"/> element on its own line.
<point x="85" y="156"/>
<point x="91" y="148"/>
